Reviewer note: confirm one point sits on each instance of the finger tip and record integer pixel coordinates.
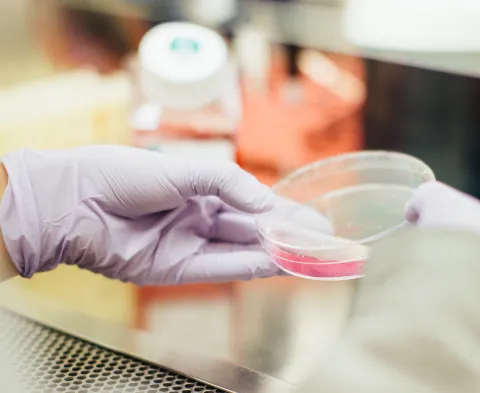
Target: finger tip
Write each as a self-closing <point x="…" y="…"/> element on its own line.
<point x="261" y="202"/>
<point x="267" y="201"/>
<point x="411" y="216"/>
<point x="272" y="272"/>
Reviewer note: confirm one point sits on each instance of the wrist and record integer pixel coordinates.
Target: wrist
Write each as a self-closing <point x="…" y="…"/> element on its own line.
<point x="7" y="268"/>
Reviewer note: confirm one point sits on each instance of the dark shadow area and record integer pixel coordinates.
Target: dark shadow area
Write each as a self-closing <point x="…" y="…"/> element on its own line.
<point x="431" y="115"/>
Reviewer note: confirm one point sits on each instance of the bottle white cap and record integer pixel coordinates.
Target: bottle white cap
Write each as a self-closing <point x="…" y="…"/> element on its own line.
<point x="183" y="65"/>
<point x="414" y="25"/>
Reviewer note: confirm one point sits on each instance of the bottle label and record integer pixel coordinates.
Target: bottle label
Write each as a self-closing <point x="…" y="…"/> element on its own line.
<point x="184" y="46"/>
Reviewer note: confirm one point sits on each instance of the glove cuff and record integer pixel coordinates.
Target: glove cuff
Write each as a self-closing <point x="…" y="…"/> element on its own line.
<point x="19" y="220"/>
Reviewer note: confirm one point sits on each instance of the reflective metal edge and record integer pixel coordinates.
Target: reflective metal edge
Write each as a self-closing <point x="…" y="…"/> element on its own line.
<point x="216" y="372"/>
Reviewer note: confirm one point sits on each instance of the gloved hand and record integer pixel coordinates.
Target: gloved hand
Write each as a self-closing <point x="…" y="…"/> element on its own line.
<point x="133" y="214"/>
<point x="437" y="205"/>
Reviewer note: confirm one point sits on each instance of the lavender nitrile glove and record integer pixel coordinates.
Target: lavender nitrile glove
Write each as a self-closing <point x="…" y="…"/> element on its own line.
<point x="437" y="205"/>
<point x="133" y="214"/>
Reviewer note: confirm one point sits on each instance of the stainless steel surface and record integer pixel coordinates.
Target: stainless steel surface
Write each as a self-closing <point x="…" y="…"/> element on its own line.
<point x="59" y="338"/>
<point x="316" y="24"/>
<point x="46" y="360"/>
<point x="286" y="325"/>
<point x="281" y="328"/>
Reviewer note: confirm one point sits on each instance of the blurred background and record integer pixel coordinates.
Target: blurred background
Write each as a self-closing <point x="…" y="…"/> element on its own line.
<point x="308" y="79"/>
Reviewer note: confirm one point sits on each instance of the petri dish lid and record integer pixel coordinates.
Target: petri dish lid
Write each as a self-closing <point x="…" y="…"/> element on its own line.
<point x="334" y="209"/>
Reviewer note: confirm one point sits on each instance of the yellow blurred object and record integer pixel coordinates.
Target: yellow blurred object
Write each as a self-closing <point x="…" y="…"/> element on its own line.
<point x="83" y="292"/>
<point x="64" y="111"/>
<point x="77" y="108"/>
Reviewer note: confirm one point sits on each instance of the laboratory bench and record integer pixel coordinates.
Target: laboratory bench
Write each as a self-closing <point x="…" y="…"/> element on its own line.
<point x="274" y="347"/>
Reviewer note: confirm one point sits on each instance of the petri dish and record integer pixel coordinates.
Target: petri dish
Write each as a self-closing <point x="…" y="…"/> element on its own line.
<point x="329" y="213"/>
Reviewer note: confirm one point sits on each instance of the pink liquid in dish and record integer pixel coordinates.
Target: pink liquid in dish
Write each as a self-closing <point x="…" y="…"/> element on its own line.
<point x="310" y="267"/>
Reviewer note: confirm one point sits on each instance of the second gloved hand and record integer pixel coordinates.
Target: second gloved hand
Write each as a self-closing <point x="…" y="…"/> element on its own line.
<point x="132" y="214"/>
<point x="436" y="205"/>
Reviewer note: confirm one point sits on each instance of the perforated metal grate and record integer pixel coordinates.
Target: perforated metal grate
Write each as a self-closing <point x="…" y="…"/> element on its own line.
<point x="48" y="361"/>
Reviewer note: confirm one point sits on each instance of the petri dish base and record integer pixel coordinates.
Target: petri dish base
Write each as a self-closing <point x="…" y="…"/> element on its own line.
<point x="330" y="213"/>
